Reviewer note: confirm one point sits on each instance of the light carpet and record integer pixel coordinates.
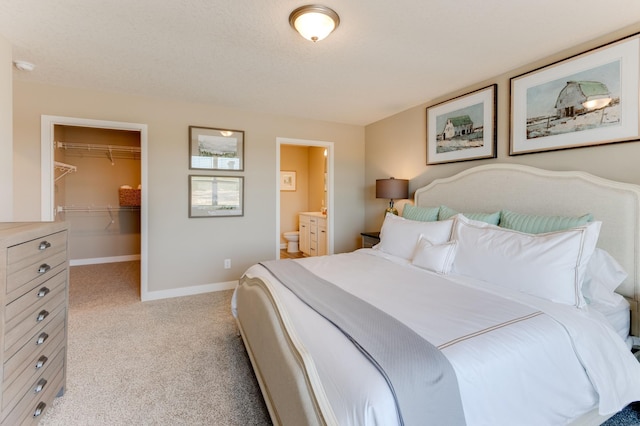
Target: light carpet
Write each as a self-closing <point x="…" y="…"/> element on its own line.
<point x="169" y="362"/>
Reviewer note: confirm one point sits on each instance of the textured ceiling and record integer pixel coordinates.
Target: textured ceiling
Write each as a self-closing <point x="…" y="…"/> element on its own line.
<point x="386" y="56"/>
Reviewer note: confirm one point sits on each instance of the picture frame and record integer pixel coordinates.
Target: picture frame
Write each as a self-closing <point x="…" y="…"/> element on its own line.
<point x="585" y="100"/>
<point x="216" y="196"/>
<point x="287" y="180"/>
<point x="216" y="149"/>
<point x="463" y="128"/>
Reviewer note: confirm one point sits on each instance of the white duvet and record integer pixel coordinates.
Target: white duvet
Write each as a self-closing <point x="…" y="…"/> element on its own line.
<point x="518" y="359"/>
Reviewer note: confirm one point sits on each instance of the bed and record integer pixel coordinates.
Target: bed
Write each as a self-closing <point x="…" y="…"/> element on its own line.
<point x="522" y="352"/>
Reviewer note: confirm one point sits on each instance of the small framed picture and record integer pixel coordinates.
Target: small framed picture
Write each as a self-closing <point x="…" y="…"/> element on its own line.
<point x="216" y="149"/>
<point x="216" y="196"/>
<point x="463" y="128"/>
<point x="588" y="99"/>
<point x="287" y="181"/>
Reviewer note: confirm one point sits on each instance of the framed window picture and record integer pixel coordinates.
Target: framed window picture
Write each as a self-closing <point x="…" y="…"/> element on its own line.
<point x="588" y="99"/>
<point x="216" y="149"/>
<point x="463" y="128"/>
<point x="216" y="196"/>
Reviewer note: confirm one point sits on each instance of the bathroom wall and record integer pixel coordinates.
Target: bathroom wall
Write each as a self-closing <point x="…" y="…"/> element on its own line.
<point x="317" y="170"/>
<point x="294" y="158"/>
<point x="309" y="164"/>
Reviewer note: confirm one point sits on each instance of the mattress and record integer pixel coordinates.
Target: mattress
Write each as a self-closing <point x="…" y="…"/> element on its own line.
<point x="514" y="355"/>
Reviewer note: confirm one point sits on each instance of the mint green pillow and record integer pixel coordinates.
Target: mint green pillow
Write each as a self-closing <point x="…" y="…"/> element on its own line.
<point x="422" y="214"/>
<point x="532" y="224"/>
<point x="490" y="218"/>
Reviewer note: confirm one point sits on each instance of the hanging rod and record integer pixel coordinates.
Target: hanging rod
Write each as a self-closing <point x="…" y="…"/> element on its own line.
<point x="98" y="147"/>
<point x="90" y="209"/>
<point x="64" y="168"/>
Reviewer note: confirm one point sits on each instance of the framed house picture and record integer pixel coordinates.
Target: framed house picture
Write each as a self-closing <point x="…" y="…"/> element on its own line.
<point x="216" y="149"/>
<point x="216" y="196"/>
<point x="287" y="180"/>
<point x="588" y="99"/>
<point x="463" y="128"/>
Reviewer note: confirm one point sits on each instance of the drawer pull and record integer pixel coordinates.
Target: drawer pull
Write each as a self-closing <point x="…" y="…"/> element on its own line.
<point x="43" y="268"/>
<point x="43" y="292"/>
<point x="42" y="315"/>
<point x="39" y="409"/>
<point x="40" y="385"/>
<point x="41" y="362"/>
<point x="44" y="245"/>
<point x="42" y="338"/>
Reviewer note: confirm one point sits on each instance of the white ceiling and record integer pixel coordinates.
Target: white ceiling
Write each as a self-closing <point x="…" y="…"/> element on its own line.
<point x="386" y="56"/>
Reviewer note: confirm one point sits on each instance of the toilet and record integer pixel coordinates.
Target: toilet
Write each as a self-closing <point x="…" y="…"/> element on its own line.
<point x="292" y="241"/>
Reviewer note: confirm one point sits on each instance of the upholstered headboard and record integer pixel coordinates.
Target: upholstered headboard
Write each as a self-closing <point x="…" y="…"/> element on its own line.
<point x="529" y="190"/>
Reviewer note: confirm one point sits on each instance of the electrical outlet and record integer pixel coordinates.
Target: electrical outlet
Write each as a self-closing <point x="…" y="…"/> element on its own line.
<point x="227" y="264"/>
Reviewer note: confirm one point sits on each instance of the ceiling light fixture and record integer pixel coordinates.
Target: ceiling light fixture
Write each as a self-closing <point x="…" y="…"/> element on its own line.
<point x="24" y="65"/>
<point x="314" y="22"/>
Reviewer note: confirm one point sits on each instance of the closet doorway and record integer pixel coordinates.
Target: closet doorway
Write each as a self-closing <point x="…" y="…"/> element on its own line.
<point x="94" y="176"/>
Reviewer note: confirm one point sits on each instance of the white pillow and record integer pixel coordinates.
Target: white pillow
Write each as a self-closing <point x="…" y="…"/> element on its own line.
<point x="602" y="277"/>
<point x="399" y="236"/>
<point x="551" y="265"/>
<point x="435" y="257"/>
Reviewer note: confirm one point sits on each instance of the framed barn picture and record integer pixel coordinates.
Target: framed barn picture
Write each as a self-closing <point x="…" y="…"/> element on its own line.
<point x="589" y="99"/>
<point x="463" y="128"/>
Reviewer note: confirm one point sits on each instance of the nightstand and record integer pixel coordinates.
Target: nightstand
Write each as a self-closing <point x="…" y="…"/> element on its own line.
<point x="370" y="239"/>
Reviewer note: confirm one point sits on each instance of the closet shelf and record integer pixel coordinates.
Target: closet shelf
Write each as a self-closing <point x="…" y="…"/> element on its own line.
<point x="110" y="150"/>
<point x="98" y="147"/>
<point x="64" y="168"/>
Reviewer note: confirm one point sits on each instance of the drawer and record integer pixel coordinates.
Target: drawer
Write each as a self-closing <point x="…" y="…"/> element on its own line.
<point x="36" y="335"/>
<point x="31" y="408"/>
<point x="42" y="267"/>
<point x="313" y="220"/>
<point x="27" y="384"/>
<point x="31" y="358"/>
<point x="313" y="234"/>
<point x="28" y="286"/>
<point x="37" y="297"/>
<point x="34" y="251"/>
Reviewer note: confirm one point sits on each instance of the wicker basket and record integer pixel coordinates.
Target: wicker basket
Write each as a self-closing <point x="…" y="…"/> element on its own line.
<point x="129" y="197"/>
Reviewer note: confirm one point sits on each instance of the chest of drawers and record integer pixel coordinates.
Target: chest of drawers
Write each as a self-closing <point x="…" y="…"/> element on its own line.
<point x="33" y="318"/>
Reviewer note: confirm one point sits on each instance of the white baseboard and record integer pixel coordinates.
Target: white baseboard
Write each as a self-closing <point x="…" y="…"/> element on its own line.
<point x="188" y="291"/>
<point x="283" y="246"/>
<point x="98" y="260"/>
<point x="160" y="294"/>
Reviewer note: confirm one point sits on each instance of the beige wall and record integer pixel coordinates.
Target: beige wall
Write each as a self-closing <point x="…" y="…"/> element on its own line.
<point x="6" y="131"/>
<point x="187" y="252"/>
<point x="396" y="146"/>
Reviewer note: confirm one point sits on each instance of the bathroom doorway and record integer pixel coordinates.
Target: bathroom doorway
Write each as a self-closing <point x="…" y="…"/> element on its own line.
<point x="305" y="184"/>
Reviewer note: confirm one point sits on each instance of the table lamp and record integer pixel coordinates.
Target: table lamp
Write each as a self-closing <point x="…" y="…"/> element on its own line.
<point x="392" y="188"/>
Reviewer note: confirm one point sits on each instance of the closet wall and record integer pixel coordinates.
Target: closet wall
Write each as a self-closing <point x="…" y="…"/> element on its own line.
<point x="87" y="192"/>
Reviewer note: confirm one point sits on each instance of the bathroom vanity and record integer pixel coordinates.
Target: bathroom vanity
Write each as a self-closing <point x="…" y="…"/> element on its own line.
<point x="313" y="233"/>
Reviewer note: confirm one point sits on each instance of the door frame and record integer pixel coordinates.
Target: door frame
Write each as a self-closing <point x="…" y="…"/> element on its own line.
<point x="329" y="146"/>
<point x="47" y="144"/>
